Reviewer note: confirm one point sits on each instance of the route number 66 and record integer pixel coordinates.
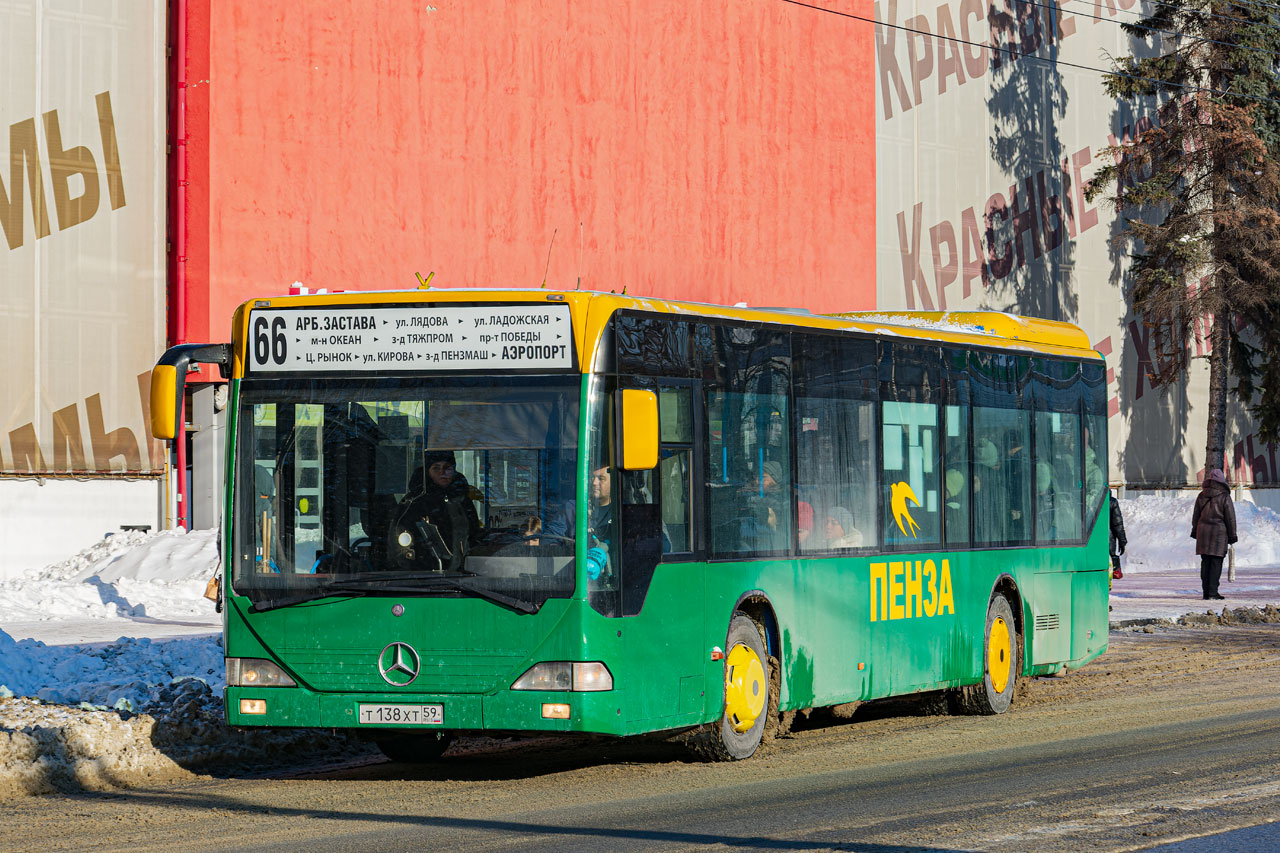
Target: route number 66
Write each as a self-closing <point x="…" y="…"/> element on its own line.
<point x="269" y="346"/>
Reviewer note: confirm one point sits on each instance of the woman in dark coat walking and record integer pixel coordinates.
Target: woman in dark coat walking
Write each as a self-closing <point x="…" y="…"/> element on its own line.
<point x="1213" y="526"/>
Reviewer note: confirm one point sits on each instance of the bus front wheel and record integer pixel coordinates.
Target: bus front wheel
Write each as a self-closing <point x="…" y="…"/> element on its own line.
<point x="1000" y="663"/>
<point x="746" y="697"/>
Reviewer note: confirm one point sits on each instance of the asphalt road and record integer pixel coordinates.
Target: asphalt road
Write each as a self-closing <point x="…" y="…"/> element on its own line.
<point x="1170" y="736"/>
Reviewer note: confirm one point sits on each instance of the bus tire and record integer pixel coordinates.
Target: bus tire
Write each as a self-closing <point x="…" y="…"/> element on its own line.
<point x="747" y="700"/>
<point x="1000" y="664"/>
<point x="773" y="722"/>
<point x="421" y="748"/>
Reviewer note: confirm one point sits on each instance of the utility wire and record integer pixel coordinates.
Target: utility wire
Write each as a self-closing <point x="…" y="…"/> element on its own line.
<point x="1019" y="55"/>
<point x="1174" y="33"/>
<point x="1213" y="15"/>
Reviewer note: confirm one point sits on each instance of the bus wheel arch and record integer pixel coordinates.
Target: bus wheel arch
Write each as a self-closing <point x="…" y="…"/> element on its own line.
<point x="1002" y="654"/>
<point x="1005" y="585"/>
<point x="749" y="698"/>
<point x="757" y="606"/>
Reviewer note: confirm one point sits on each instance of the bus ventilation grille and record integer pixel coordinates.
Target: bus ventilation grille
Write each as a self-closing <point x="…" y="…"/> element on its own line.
<point x="1047" y="622"/>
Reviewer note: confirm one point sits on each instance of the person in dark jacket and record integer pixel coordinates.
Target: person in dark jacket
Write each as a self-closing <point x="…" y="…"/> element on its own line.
<point x="1118" y="539"/>
<point x="1213" y="526"/>
<point x="440" y="496"/>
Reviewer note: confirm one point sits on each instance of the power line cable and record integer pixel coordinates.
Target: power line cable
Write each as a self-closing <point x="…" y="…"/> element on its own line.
<point x="1019" y="55"/>
<point x="1183" y="8"/>
<point x="1174" y="33"/>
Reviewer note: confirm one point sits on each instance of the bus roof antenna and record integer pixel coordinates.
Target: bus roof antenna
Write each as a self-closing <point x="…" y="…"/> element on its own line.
<point x="548" y="266"/>
<point x="580" y="241"/>
<point x="425" y="283"/>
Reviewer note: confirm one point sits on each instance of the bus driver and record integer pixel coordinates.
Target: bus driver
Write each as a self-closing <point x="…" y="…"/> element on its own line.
<point x="441" y="497"/>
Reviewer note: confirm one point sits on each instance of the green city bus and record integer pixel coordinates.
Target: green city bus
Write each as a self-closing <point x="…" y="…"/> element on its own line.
<point x="780" y="511"/>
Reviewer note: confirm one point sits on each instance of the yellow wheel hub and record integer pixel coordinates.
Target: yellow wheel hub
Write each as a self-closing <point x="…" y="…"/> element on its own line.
<point x="746" y="688"/>
<point x="999" y="655"/>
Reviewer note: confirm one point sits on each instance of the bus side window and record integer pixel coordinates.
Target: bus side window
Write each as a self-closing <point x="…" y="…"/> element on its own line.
<point x="1002" y="471"/>
<point x="749" y="495"/>
<point x="911" y="480"/>
<point x="1095" y="443"/>
<point x="911" y="453"/>
<point x="675" y="469"/>
<point x="656" y="505"/>
<point x="835" y="380"/>
<point x="748" y="418"/>
<point x="641" y="539"/>
<point x="956" y="486"/>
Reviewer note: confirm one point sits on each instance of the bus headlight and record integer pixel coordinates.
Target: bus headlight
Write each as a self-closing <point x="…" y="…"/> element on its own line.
<point x="591" y="677"/>
<point x="578" y="676"/>
<point x="255" y="672"/>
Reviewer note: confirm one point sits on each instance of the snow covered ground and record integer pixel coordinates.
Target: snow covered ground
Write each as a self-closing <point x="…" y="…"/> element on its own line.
<point x="1159" y="532"/>
<point x="111" y="661"/>
<point x="90" y="629"/>
<point x="111" y="670"/>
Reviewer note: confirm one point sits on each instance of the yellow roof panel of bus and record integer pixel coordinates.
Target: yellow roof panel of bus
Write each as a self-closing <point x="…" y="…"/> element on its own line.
<point x="592" y="310"/>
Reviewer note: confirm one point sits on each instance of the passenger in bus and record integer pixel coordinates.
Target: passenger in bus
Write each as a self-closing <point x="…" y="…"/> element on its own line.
<point x="264" y="490"/>
<point x="766" y="499"/>
<point x="1014" y="461"/>
<point x="804" y="524"/>
<point x="953" y="506"/>
<point x="1046" y="528"/>
<point x="529" y="530"/>
<point x="1094" y="484"/>
<point x="440" y="495"/>
<point x="990" y="498"/>
<point x="840" y="530"/>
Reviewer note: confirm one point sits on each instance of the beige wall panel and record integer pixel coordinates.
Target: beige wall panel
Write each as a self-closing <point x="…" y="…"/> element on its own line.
<point x="82" y="123"/>
<point x="979" y="205"/>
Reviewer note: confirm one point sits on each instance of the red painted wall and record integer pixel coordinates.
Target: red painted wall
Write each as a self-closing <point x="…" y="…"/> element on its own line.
<point x="714" y="151"/>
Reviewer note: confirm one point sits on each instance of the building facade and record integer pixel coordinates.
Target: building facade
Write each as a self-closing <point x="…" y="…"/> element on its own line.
<point x="990" y="121"/>
<point x="168" y="161"/>
<point x="82" y="272"/>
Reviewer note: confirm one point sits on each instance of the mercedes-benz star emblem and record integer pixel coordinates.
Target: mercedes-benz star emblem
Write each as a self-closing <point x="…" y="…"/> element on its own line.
<point x="398" y="664"/>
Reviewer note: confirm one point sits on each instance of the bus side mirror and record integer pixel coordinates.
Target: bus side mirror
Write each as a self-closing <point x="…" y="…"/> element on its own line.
<point x="164" y="400"/>
<point x="169" y="383"/>
<point x="639" y="429"/>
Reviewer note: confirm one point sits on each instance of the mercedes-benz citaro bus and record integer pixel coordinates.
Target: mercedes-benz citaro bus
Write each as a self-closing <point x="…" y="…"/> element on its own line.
<point x="524" y="511"/>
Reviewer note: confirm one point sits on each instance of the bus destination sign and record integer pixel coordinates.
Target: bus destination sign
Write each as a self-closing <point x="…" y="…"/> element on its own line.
<point x="425" y="337"/>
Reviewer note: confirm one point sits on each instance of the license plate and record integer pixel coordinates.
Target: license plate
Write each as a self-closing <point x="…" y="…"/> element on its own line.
<point x="401" y="715"/>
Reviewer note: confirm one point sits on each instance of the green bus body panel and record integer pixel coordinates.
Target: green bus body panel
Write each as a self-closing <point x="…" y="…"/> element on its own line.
<point x="664" y="674"/>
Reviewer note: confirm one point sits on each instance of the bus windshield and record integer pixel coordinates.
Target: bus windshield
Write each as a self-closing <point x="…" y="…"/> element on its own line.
<point x="457" y="486"/>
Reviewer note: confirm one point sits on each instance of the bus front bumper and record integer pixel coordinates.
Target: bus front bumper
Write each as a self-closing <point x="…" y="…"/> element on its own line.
<point x="508" y="710"/>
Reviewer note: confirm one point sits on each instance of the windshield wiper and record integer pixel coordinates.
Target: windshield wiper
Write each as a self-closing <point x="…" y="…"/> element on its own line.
<point x="350" y="587"/>
<point x="264" y="604"/>
<point x="409" y="582"/>
<point x="454" y="582"/>
<point x="381" y="578"/>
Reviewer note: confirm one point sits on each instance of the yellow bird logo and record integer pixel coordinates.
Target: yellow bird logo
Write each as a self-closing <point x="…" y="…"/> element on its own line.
<point x="899" y="494"/>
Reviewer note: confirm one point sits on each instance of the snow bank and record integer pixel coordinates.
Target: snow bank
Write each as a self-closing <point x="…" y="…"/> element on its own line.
<point x="127" y="674"/>
<point x="94" y="716"/>
<point x="46" y="748"/>
<point x="130" y="575"/>
<point x="1159" y="533"/>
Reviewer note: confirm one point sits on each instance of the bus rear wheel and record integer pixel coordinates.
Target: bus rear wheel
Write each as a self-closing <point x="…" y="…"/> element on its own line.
<point x="1000" y="663"/>
<point x="747" y="689"/>
<point x="414" y="748"/>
